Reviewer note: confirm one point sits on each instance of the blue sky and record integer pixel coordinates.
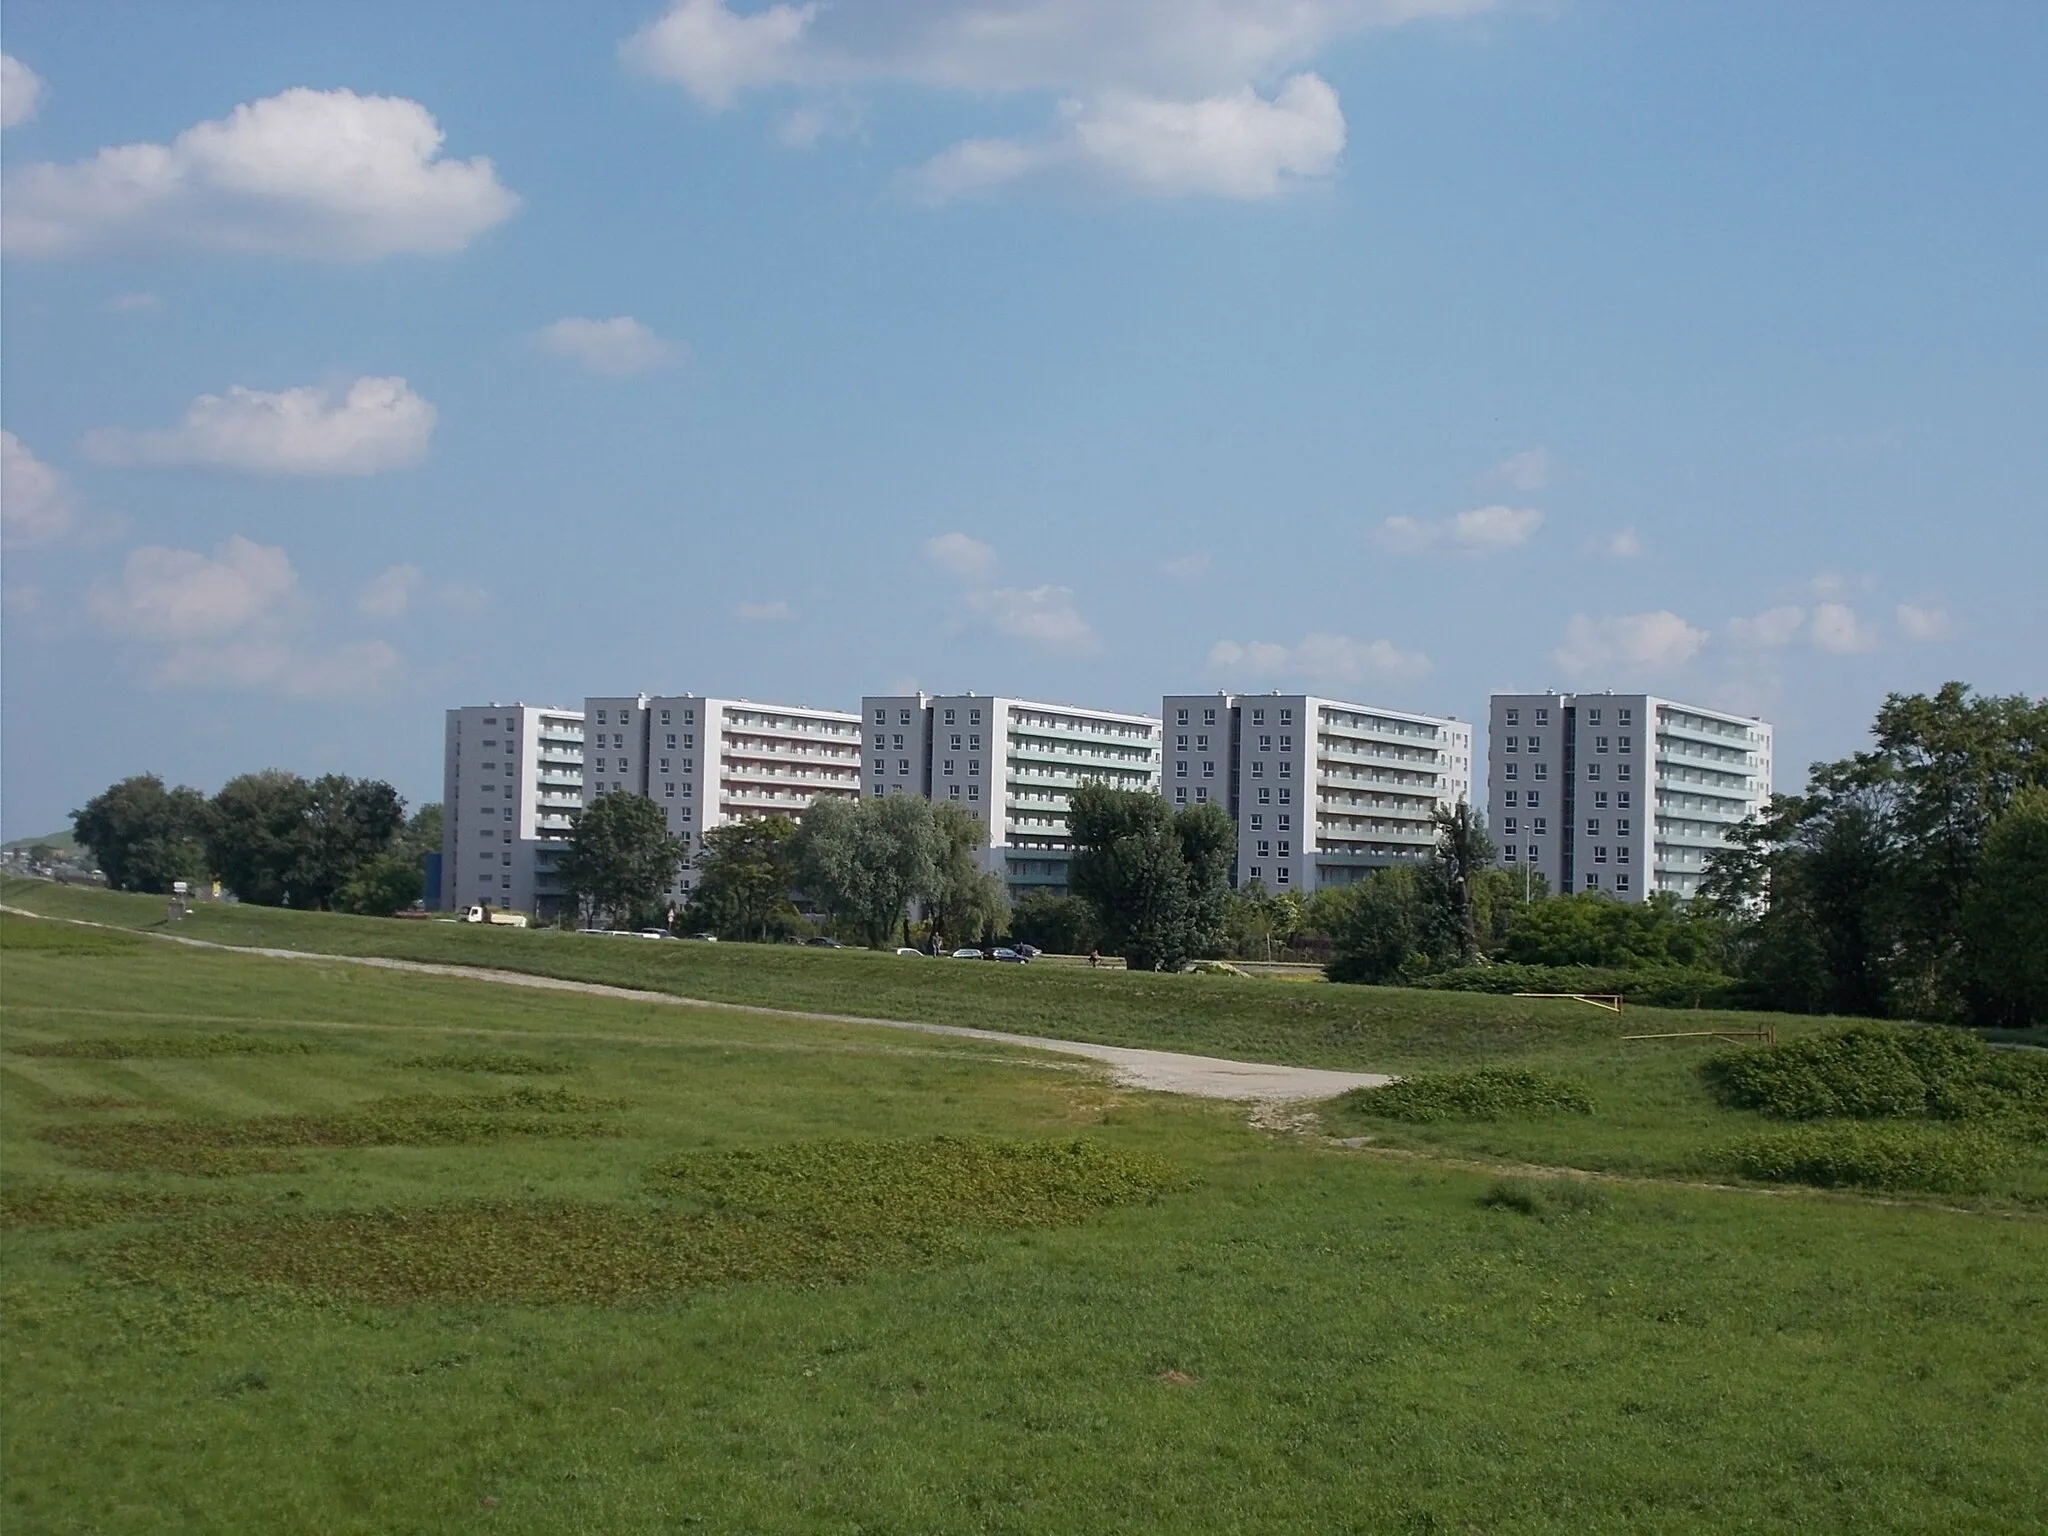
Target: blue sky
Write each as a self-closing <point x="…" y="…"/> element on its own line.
<point x="1397" y="351"/>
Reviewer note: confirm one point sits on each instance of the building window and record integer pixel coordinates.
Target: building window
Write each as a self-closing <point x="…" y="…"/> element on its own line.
<point x="1592" y="773"/>
<point x="1543" y="770"/>
<point x="903" y="717"/>
<point x="899" y="741"/>
<point x="1258" y="822"/>
<point x="1621" y="882"/>
<point x="1621" y="798"/>
<point x="974" y="717"/>
<point x="1201" y="794"/>
<point x="973" y="743"/>
<point x="1265" y="796"/>
<point x="902" y="766"/>
<point x="949" y="717"/>
<point x="1535" y="799"/>
<point x="1180" y="743"/>
<point x="1507" y="854"/>
<point x="1180" y="794"/>
<point x="1180" y="768"/>
<point x="1201" y="743"/>
<point x="664" y="721"/>
<point x="1258" y="717"/>
<point x="1286" y="794"/>
<point x="1592" y="881"/>
<point x="1208" y="717"/>
<point x="689" y="813"/>
<point x="1507" y="825"/>
<point x="1543" y="717"/>
<point x="505" y="858"/>
<point x="1512" y="771"/>
<point x="1258" y="769"/>
<point x="952" y="791"/>
<point x="1208" y="770"/>
<point x="668" y="791"/>
<point x="664" y="765"/>
<point x="881" y="717"/>
<point x="1624" y="717"/>
<point x="600" y="765"/>
<point x="1514" y="717"/>
<point x="1280" y="875"/>
<point x="974" y="791"/>
<point x="1265" y="743"/>
<point x="1258" y="873"/>
<point x="1621" y="826"/>
<point x="1286" y="767"/>
<point x="949" y="765"/>
<point x="1286" y="743"/>
<point x="1599" y="799"/>
<point x="1600" y="744"/>
<point x="1624" y="771"/>
<point x="1532" y="851"/>
<point x="1286" y="822"/>
<point x="1180" y="717"/>
<point x="1592" y="826"/>
<point x="1592" y="717"/>
<point x="1621" y="854"/>
<point x="1286" y="848"/>
<point x="600" y="717"/>
<point x="1600" y="854"/>
<point x="1265" y="849"/>
<point x="1623" y="746"/>
<point x="1539" y="825"/>
<point x="1509" y="744"/>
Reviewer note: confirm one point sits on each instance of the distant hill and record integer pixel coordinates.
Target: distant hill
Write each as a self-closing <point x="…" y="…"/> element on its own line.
<point x="63" y="842"/>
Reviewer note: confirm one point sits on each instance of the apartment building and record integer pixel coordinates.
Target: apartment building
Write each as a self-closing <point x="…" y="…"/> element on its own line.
<point x="1323" y="791"/>
<point x="511" y="778"/>
<point x="710" y="761"/>
<point x="1011" y="764"/>
<point x="1621" y="792"/>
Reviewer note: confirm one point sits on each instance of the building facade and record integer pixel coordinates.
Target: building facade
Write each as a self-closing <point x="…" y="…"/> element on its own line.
<point x="710" y="761"/>
<point x="1009" y="763"/>
<point x="511" y="780"/>
<point x="1620" y="792"/>
<point x="1322" y="791"/>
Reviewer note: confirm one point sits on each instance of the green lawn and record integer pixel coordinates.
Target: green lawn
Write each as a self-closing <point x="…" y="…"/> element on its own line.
<point x="735" y="1284"/>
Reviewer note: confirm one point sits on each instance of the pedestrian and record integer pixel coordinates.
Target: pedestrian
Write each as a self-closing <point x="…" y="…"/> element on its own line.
<point x="1094" y="958"/>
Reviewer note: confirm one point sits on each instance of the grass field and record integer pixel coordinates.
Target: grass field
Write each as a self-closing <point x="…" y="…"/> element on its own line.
<point x="560" y="1263"/>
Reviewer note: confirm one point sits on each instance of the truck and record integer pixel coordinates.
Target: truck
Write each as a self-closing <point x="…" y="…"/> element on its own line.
<point x="495" y="917"/>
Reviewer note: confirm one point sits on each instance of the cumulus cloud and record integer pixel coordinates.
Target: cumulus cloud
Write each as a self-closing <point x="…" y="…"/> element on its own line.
<point x="1836" y="628"/>
<point x="323" y="174"/>
<point x="614" y="347"/>
<point x="378" y="424"/>
<point x="1045" y="616"/>
<point x="227" y="620"/>
<point x="960" y="557"/>
<point x="1525" y="471"/>
<point x="20" y="90"/>
<point x="1630" y="642"/>
<point x="1481" y="531"/>
<point x="389" y="593"/>
<point x="1156" y="96"/>
<point x="1923" y="623"/>
<point x="776" y="612"/>
<point x="1622" y="544"/>
<point x="1239" y="145"/>
<point x="1320" y="657"/>
<point x="1770" y="630"/>
<point x="37" y="507"/>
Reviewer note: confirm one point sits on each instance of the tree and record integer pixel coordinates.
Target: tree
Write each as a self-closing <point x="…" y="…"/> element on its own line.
<point x="1208" y="846"/>
<point x="423" y="833"/>
<point x="2006" y="920"/>
<point x="381" y="886"/>
<point x="1463" y="853"/>
<point x="257" y="835"/>
<point x="1131" y="867"/>
<point x="1064" y="925"/>
<point x="621" y="857"/>
<point x="864" y="860"/>
<point x="744" y="874"/>
<point x="349" y="822"/>
<point x="143" y="836"/>
<point x="1394" y="923"/>
<point x="964" y="899"/>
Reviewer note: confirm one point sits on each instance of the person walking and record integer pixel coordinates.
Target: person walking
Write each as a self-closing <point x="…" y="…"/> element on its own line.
<point x="1094" y="958"/>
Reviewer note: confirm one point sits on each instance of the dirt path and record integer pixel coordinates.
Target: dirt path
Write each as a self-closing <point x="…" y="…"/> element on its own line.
<point x="1208" y="1077"/>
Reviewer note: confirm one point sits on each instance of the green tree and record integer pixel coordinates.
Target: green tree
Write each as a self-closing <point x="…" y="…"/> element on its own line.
<point x="1463" y="854"/>
<point x="1208" y="846"/>
<point x="258" y="839"/>
<point x="423" y="832"/>
<point x="744" y="873"/>
<point x="863" y="861"/>
<point x="1062" y="925"/>
<point x="143" y="836"/>
<point x="1593" y="928"/>
<point x="349" y="822"/>
<point x="2006" y="919"/>
<point x="621" y="857"/>
<point x="1131" y="867"/>
<point x="963" y="900"/>
<point x="381" y="886"/>
<point x="1394" y="923"/>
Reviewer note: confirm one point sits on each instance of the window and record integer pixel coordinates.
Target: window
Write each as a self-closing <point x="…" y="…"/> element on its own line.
<point x="881" y="742"/>
<point x="600" y="765"/>
<point x="899" y="741"/>
<point x="689" y="717"/>
<point x="668" y="791"/>
<point x="664" y="721"/>
<point x="1286" y="821"/>
<point x="974" y="766"/>
<point x="1600" y="854"/>
<point x="1621" y="854"/>
<point x="953" y="741"/>
<point x="880" y="766"/>
<point x="974" y="743"/>
<point x="1286" y="794"/>
<point x="880" y="789"/>
<point x="1592" y="773"/>
<point x="1592" y="881"/>
<point x="1543" y="770"/>
<point x="1514" y="717"/>
<point x="1286" y="743"/>
<point x="1509" y="744"/>
<point x="1258" y="873"/>
<point x="505" y="858"/>
<point x="902" y="766"/>
<point x="1265" y="743"/>
<point x="1507" y="825"/>
<point x="1599" y="799"/>
<point x="1201" y="743"/>
<point x="1265" y="796"/>
<point x="1258" y="822"/>
<point x="903" y="717"/>
<point x="1201" y="794"/>
<point x="1621" y="798"/>
<point x="670" y="741"/>
<point x="1258" y="769"/>
<point x="1623" y="771"/>
<point x="974" y="717"/>
<point x="1180" y="717"/>
<point x="508" y="812"/>
<point x="600" y="717"/>
<point x="1621" y="882"/>
<point x="1543" y="717"/>
<point x="952" y="791"/>
<point x="1180" y="768"/>
<point x="1621" y="826"/>
<point x="1180" y="794"/>
<point x="1281" y="874"/>
<point x="1258" y="717"/>
<point x="1623" y="746"/>
<point x="1208" y="717"/>
<point x="1600" y="744"/>
<point x="1208" y="769"/>
<point x="1286" y="848"/>
<point x="1513" y="771"/>
<point x="1180" y="743"/>
<point x="1286" y="767"/>
<point x="974" y="791"/>
<point x="949" y="717"/>
<point x="1624" y="717"/>
<point x="1592" y="826"/>
<point x="948" y="768"/>
<point x="881" y="717"/>
<point x="1265" y="849"/>
<point x="1507" y="854"/>
<point x="1592" y="717"/>
<point x="1532" y="851"/>
<point x="689" y="812"/>
<point x="1538" y="825"/>
<point x="1510" y="797"/>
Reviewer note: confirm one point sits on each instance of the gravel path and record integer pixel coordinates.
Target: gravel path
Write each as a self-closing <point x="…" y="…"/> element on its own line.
<point x="1208" y="1077"/>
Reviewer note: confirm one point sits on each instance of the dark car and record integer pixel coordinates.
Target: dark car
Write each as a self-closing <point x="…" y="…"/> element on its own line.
<point x="1029" y="951"/>
<point x="1008" y="956"/>
<point x="821" y="942"/>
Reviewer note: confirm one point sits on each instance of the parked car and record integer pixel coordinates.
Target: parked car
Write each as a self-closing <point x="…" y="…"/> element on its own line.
<point x="1029" y="951"/>
<point x="822" y="942"/>
<point x="705" y="938"/>
<point x="1008" y="956"/>
<point x="497" y="917"/>
<point x="917" y="952"/>
<point x="967" y="954"/>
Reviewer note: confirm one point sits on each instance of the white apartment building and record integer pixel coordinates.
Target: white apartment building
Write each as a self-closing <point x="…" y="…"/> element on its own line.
<point x="1323" y="791"/>
<point x="511" y="776"/>
<point x="1011" y="764"/>
<point x="1620" y="792"/>
<point x="710" y="761"/>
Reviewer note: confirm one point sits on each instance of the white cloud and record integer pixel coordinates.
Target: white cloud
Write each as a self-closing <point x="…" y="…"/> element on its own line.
<point x="389" y="593"/>
<point x="226" y="620"/>
<point x="777" y="612"/>
<point x="1622" y="544"/>
<point x="1156" y="96"/>
<point x="1319" y="657"/>
<point x="37" y="508"/>
<point x="959" y="556"/>
<point x="20" y="89"/>
<point x="323" y="174"/>
<point x="1239" y="145"/>
<point x="1631" y="642"/>
<point x="1924" y="623"/>
<point x="1770" y="630"/>
<point x="1481" y="531"/>
<point x="1046" y="616"/>
<point x="614" y="347"/>
<point x="379" y="424"/>
<point x="1187" y="567"/>
<point x="1836" y="628"/>
<point x="133" y="303"/>
<point x="1525" y="471"/>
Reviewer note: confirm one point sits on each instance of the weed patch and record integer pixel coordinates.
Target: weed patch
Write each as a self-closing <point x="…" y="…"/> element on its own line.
<point x="1490" y="1093"/>
<point x="90" y="1205"/>
<point x="162" y="1047"/>
<point x="1867" y="1072"/>
<point x="811" y="1213"/>
<point x="502" y="1063"/>
<point x="1547" y="1199"/>
<point x="1935" y="1159"/>
<point x="260" y="1144"/>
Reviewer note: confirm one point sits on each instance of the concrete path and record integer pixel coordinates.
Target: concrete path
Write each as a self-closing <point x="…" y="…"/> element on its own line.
<point x="1208" y="1077"/>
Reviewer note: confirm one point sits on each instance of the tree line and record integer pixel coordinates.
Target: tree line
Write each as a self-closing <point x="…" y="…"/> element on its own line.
<point x="272" y="838"/>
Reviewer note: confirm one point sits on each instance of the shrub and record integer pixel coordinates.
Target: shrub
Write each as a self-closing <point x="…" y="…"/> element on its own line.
<point x="1868" y="1072"/>
<point x="1489" y="1093"/>
<point x="1648" y="987"/>
<point x="1550" y="1199"/>
<point x="1902" y="1157"/>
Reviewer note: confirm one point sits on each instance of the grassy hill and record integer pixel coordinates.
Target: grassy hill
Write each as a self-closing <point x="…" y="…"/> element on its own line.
<point x="63" y="842"/>
<point x="298" y="1246"/>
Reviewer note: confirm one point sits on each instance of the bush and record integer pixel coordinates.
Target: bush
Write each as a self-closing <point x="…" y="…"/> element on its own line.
<point x="1549" y="1199"/>
<point x="1868" y="1072"/>
<point x="1649" y="987"/>
<point x="1903" y="1157"/>
<point x="1489" y="1093"/>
